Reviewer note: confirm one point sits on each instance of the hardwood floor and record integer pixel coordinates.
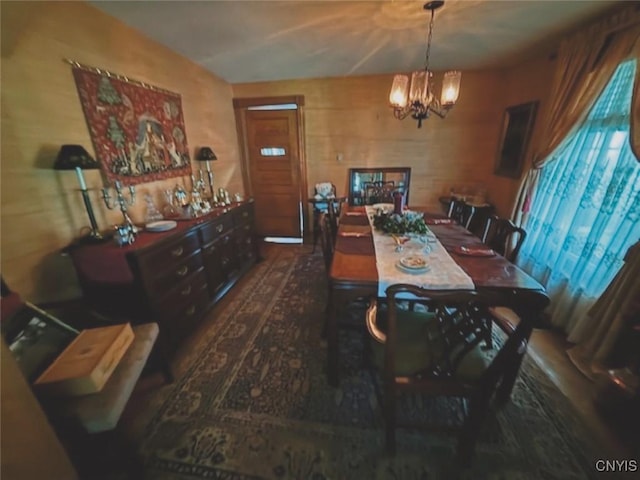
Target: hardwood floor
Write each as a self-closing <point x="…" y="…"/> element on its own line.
<point x="548" y="349"/>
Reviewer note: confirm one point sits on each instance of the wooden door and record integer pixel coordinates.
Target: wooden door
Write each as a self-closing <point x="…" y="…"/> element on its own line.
<point x="274" y="171"/>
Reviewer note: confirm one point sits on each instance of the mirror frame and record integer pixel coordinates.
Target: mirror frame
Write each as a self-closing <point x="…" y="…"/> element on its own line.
<point x="383" y="170"/>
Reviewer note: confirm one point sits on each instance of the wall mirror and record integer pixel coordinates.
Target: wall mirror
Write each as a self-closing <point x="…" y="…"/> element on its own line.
<point x="368" y="186"/>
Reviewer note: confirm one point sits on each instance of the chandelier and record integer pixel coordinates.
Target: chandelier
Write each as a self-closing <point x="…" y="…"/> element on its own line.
<point x="416" y="97"/>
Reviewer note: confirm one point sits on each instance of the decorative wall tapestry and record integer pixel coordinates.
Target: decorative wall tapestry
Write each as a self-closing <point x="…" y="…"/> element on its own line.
<point x="137" y="130"/>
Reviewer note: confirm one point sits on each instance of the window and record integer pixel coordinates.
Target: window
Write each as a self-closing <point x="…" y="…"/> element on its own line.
<point x="272" y="152"/>
<point x="586" y="209"/>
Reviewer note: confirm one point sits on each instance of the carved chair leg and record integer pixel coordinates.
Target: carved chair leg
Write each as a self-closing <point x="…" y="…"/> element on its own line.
<point x="503" y="392"/>
<point x="478" y="409"/>
<point x="390" y="418"/>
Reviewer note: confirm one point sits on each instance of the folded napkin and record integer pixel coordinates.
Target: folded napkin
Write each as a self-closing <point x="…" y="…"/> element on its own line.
<point x="439" y="221"/>
<point x="475" y="251"/>
<point x="354" y="234"/>
<point x="355" y="214"/>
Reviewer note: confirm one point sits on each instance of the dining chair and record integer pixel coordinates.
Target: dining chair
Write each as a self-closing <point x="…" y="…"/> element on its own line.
<point x="379" y="192"/>
<point x="349" y="315"/>
<point x="500" y="234"/>
<point x="327" y="240"/>
<point x="437" y="352"/>
<point x="333" y="214"/>
<point x="461" y="212"/>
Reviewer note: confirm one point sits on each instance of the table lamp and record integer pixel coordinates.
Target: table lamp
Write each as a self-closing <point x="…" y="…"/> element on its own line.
<point x="75" y="157"/>
<point x="206" y="155"/>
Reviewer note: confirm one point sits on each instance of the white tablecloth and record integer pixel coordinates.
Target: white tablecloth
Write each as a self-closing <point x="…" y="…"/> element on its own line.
<point x="443" y="272"/>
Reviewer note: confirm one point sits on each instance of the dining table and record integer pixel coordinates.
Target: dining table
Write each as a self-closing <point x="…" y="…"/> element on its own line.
<point x="354" y="274"/>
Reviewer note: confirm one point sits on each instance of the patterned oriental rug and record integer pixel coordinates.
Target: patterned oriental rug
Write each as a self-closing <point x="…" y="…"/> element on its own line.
<point x="255" y="404"/>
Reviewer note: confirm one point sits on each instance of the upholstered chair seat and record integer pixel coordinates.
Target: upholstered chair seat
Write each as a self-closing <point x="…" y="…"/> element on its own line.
<point x="414" y="355"/>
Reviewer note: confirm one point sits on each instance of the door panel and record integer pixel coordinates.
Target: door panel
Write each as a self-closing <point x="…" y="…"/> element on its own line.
<point x="274" y="171"/>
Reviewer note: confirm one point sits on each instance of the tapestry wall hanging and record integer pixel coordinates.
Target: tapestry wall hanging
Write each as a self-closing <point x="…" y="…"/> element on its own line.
<point x="137" y="130"/>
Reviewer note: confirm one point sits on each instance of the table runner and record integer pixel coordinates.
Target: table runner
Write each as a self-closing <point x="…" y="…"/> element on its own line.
<point x="443" y="274"/>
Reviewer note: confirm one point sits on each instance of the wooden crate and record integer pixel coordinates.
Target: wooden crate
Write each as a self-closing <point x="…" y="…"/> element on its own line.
<point x="87" y="363"/>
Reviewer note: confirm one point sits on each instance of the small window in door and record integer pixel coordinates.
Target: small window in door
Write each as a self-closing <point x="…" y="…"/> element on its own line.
<point x="272" y="152"/>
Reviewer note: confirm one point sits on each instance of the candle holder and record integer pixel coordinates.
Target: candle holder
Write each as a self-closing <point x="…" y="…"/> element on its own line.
<point x="122" y="202"/>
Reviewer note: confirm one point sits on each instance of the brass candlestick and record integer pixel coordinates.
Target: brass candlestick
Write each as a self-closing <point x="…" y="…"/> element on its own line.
<point x="122" y="202"/>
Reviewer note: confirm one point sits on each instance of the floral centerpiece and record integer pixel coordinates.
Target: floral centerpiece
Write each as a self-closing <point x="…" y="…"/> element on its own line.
<point x="406" y="223"/>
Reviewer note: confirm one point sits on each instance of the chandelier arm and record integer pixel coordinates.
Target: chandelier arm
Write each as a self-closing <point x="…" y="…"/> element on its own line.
<point x="437" y="108"/>
<point x="401" y="113"/>
<point x="439" y="112"/>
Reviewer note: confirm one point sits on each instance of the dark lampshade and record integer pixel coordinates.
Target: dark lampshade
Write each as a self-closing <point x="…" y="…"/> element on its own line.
<point x="206" y="154"/>
<point x="72" y="156"/>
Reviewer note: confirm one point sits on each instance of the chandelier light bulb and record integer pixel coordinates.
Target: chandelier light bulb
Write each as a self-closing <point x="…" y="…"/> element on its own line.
<point x="398" y="95"/>
<point x="450" y="87"/>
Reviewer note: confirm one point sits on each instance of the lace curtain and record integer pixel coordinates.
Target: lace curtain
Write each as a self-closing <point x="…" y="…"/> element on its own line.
<point x="586" y="211"/>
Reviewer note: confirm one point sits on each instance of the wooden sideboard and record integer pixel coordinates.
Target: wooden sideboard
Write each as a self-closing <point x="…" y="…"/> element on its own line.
<point x="171" y="277"/>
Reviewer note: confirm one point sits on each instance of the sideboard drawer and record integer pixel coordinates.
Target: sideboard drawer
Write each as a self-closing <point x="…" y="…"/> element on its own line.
<point x="178" y="322"/>
<point x="168" y="255"/>
<point x="243" y="215"/>
<point x="216" y="228"/>
<point x="164" y="281"/>
<point x="182" y="294"/>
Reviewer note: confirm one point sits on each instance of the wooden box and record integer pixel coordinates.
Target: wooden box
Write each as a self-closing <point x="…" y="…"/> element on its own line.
<point x="87" y="363"/>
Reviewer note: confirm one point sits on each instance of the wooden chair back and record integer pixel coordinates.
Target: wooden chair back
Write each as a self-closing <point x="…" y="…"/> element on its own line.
<point x="379" y="192"/>
<point x="326" y="240"/>
<point x="333" y="214"/>
<point x="461" y="212"/>
<point x="503" y="236"/>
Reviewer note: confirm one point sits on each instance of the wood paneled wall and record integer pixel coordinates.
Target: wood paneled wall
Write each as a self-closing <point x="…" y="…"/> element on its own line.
<point x="351" y="117"/>
<point x="42" y="210"/>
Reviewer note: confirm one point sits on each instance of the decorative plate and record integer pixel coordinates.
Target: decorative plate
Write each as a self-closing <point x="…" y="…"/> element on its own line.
<point x="414" y="262"/>
<point x="161" y="226"/>
<point x="404" y="269"/>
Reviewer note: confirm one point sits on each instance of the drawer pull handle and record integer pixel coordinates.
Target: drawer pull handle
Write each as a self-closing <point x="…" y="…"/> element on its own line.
<point x="182" y="271"/>
<point x="186" y="291"/>
<point x="245" y="214"/>
<point x="190" y="311"/>
<point x="176" y="252"/>
<point x="211" y="249"/>
<point x="219" y="228"/>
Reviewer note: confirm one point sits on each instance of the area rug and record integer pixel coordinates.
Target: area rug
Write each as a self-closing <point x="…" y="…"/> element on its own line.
<point x="255" y="404"/>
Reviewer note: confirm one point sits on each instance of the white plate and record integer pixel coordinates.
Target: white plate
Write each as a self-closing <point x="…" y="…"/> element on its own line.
<point x="385" y="207"/>
<point x="161" y="226"/>
<point x="414" y="262"/>
<point x="412" y="270"/>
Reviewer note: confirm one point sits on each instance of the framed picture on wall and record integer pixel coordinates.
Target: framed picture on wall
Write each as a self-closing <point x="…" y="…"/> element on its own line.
<point x="516" y="131"/>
